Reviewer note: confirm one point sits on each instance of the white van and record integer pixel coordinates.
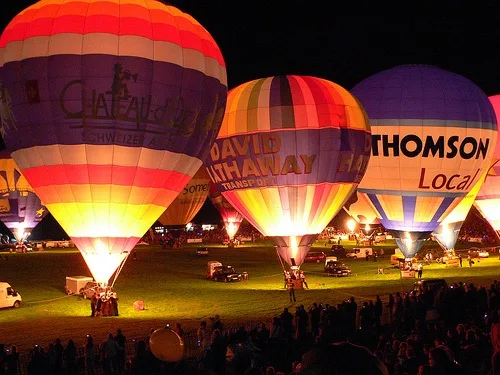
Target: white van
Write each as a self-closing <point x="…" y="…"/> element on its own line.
<point x="57" y="244"/>
<point x="8" y="296"/>
<point x="360" y="253"/>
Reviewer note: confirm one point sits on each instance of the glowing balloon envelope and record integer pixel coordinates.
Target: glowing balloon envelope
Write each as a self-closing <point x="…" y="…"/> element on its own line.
<point x="166" y="345"/>
<point x="446" y="234"/>
<point x="488" y="199"/>
<point x="185" y="207"/>
<point x="290" y="151"/>
<point x="433" y="133"/>
<point x="108" y="109"/>
<point x="20" y="208"/>
<point x="361" y="209"/>
<point x="230" y="216"/>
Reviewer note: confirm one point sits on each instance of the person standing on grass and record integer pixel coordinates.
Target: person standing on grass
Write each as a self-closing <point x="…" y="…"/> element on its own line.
<point x="291" y="290"/>
<point x="469" y="259"/>
<point x="303" y="279"/>
<point x="93" y="304"/>
<point x="420" y="269"/>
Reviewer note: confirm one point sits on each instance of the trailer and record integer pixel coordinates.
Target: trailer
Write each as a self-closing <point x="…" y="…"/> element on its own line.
<point x="59" y="244"/>
<point x="75" y="284"/>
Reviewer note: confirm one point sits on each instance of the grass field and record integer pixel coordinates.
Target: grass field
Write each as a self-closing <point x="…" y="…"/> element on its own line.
<point x="173" y="286"/>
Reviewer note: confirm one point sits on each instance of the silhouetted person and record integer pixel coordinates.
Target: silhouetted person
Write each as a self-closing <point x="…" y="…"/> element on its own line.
<point x="121" y="354"/>
<point x="70" y="358"/>
<point x="93" y="304"/>
<point x="291" y="290"/>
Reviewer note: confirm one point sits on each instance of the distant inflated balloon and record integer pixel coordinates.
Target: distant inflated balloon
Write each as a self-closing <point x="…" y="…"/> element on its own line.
<point x="187" y="204"/>
<point x="433" y="134"/>
<point x="361" y="209"/>
<point x="290" y="152"/>
<point x="231" y="218"/>
<point x="488" y="199"/>
<point x="109" y="108"/>
<point x="20" y="208"/>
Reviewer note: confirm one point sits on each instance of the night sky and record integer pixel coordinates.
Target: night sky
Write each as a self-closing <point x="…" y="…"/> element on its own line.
<point x="344" y="42"/>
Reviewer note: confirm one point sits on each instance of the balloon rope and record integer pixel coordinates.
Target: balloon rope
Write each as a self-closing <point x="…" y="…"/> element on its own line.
<point x="119" y="269"/>
<point x="48" y="300"/>
<point x="281" y="260"/>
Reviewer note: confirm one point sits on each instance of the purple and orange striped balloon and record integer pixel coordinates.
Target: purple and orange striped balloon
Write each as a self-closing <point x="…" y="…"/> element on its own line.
<point x="108" y="108"/>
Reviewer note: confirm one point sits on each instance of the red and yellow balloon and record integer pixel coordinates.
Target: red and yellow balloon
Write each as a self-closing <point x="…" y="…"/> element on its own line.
<point x="108" y="108"/>
<point x="488" y="199"/>
<point x="231" y="218"/>
<point x="290" y="152"/>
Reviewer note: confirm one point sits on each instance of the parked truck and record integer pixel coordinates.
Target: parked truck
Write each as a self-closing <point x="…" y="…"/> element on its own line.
<point x="360" y="253"/>
<point x="9" y="297"/>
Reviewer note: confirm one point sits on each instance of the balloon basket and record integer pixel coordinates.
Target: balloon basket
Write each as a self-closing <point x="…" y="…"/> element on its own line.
<point x="297" y="284"/>
<point x="407" y="274"/>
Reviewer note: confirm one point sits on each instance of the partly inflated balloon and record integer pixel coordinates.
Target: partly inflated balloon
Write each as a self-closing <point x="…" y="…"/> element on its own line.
<point x="361" y="209"/>
<point x="20" y="208"/>
<point x="290" y="151"/>
<point x="433" y="134"/>
<point x="488" y="199"/>
<point x="446" y="234"/>
<point x="138" y="305"/>
<point x="108" y="108"/>
<point x="166" y="345"/>
<point x="189" y="201"/>
<point x="230" y="216"/>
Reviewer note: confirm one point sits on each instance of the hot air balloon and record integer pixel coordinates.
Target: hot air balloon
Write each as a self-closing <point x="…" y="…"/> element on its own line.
<point x="108" y="109"/>
<point x="230" y="216"/>
<point x="488" y="199"/>
<point x="20" y="208"/>
<point x="290" y="151"/>
<point x="433" y="133"/>
<point x="189" y="202"/>
<point x="362" y="211"/>
<point x="446" y="234"/>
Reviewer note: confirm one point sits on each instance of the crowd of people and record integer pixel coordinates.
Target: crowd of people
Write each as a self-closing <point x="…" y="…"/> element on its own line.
<point x="476" y="227"/>
<point x="450" y="330"/>
<point x="178" y="237"/>
<point x="104" y="302"/>
<point x="473" y="227"/>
